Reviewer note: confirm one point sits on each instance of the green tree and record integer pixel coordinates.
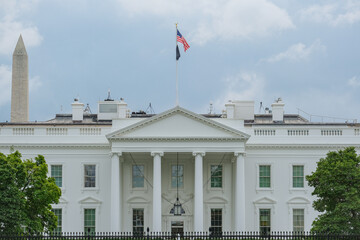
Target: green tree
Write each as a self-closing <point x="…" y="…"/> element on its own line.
<point x="336" y="183"/>
<point x="26" y="195"/>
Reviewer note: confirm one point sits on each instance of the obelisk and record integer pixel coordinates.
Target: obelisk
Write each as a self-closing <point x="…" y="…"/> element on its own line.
<point x="20" y="84"/>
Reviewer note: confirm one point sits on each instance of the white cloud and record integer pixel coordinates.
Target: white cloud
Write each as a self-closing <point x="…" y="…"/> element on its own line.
<point x="11" y="26"/>
<point x="217" y="19"/>
<point x="354" y="82"/>
<point x="244" y="86"/>
<point x="5" y="84"/>
<point x="298" y="51"/>
<point x="333" y="14"/>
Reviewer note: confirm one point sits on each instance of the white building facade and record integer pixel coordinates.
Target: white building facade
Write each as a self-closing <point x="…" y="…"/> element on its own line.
<point x="236" y="171"/>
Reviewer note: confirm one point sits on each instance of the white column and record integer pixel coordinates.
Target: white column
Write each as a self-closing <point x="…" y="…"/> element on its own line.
<point x="198" y="192"/>
<point x="157" y="191"/>
<point x="239" y="192"/>
<point x="115" y="211"/>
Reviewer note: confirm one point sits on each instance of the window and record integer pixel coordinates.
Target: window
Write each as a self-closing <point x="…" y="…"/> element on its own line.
<point x="265" y="221"/>
<point x="216" y="176"/>
<point x="177" y="176"/>
<point x="264" y="176"/>
<point x="298" y="220"/>
<point x="138" y="176"/>
<point x="138" y="220"/>
<point x="56" y="172"/>
<point x="58" y="214"/>
<point x="89" y="220"/>
<point x="298" y="176"/>
<point x="216" y="220"/>
<point x="90" y="175"/>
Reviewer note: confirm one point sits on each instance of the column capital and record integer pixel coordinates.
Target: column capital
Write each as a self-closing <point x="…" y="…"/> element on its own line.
<point x="154" y="153"/>
<point x="195" y="153"/>
<point x="236" y="154"/>
<point x="111" y="154"/>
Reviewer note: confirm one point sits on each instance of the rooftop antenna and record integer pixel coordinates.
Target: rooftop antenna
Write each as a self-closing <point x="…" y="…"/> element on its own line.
<point x="150" y="109"/>
<point x="211" y="108"/>
<point x="109" y="97"/>
<point x="261" y="107"/>
<point x="87" y="110"/>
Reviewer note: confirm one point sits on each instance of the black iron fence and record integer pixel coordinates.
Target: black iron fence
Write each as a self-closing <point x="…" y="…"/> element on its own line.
<point x="181" y="236"/>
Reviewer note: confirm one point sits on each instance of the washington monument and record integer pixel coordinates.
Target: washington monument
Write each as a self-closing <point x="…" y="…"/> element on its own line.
<point x="20" y="84"/>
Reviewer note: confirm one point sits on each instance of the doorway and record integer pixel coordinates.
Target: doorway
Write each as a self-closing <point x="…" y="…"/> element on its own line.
<point x="177" y="227"/>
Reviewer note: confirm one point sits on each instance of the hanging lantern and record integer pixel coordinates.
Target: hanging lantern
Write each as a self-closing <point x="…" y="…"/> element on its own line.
<point x="177" y="210"/>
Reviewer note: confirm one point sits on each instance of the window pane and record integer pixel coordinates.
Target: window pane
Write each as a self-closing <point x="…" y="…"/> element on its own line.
<point x="89" y="221"/>
<point x="298" y="220"/>
<point x="298" y="176"/>
<point x="58" y="214"/>
<point x="264" y="176"/>
<point x="177" y="176"/>
<point x="216" y="220"/>
<point x="90" y="175"/>
<point x="265" y="223"/>
<point x="138" y="176"/>
<point x="138" y="221"/>
<point x="216" y="176"/>
<point x="56" y="172"/>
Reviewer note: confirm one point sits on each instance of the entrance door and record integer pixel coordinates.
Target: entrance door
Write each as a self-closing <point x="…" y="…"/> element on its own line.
<point x="177" y="227"/>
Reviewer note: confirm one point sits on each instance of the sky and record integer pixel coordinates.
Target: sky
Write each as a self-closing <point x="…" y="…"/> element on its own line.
<point x="305" y="52"/>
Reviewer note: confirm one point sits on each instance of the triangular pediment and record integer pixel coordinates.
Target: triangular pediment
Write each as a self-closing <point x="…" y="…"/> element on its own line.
<point x="178" y="123"/>
<point x="265" y="200"/>
<point x="89" y="200"/>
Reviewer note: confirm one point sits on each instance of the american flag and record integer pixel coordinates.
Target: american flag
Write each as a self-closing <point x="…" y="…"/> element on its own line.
<point x="182" y="40"/>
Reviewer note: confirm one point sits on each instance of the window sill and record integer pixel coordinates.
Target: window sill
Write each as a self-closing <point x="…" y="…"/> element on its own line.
<point x="270" y="189"/>
<point x="92" y="189"/>
<point x="292" y="190"/>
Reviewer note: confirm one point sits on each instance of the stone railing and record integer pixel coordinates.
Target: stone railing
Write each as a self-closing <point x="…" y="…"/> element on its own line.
<point x="53" y="131"/>
<point x="90" y="131"/>
<point x="331" y="132"/>
<point x="264" y="132"/>
<point x="298" y="132"/>
<point x="23" y="131"/>
<point x="56" y="131"/>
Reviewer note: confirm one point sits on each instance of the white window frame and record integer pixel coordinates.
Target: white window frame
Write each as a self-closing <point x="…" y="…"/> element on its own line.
<point x="299" y="203"/>
<point x="292" y="217"/>
<point x="97" y="182"/>
<point x="86" y="205"/>
<point x="50" y="163"/>
<point x="209" y="188"/>
<point x="265" y="203"/>
<point x="174" y="164"/>
<point x="136" y="202"/>
<point x="132" y="216"/>
<point x="258" y="188"/>
<point x="145" y="188"/>
<point x="291" y="188"/>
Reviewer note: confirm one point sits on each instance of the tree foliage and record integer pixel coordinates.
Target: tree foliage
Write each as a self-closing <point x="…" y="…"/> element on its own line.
<point x="336" y="183"/>
<point x="26" y="195"/>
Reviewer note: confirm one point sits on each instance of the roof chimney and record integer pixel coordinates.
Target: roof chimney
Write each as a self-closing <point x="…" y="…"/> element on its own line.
<point x="77" y="110"/>
<point x="122" y="109"/>
<point x="278" y="110"/>
<point x="230" y="110"/>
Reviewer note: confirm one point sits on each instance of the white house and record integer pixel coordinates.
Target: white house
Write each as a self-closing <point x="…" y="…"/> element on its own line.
<point x="236" y="171"/>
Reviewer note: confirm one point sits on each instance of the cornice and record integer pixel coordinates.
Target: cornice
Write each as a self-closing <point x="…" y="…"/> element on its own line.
<point x="177" y="139"/>
<point x="58" y="146"/>
<point x="299" y="146"/>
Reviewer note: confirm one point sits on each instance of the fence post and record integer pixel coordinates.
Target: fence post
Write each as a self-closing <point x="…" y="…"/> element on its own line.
<point x="147" y="230"/>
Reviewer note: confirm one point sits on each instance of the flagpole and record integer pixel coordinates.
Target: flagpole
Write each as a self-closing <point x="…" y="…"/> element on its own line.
<point x="177" y="82"/>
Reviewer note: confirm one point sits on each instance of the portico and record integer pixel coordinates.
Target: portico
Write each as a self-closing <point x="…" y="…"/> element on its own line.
<point x="151" y="147"/>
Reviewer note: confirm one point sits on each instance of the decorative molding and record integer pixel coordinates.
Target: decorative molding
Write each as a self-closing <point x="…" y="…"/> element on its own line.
<point x="154" y="153"/>
<point x="174" y="139"/>
<point x="195" y="153"/>
<point x="299" y="146"/>
<point x="173" y="111"/>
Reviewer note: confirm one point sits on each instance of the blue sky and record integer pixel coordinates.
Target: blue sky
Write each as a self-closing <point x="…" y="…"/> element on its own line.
<point x="306" y="52"/>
